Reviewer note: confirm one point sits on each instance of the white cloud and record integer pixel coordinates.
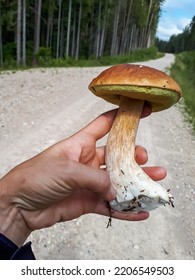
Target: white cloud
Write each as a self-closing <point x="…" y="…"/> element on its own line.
<point x="175" y="16"/>
<point x="169" y="26"/>
<point x="183" y="22"/>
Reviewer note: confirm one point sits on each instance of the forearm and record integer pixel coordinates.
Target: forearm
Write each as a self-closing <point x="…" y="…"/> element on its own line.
<point x="12" y="224"/>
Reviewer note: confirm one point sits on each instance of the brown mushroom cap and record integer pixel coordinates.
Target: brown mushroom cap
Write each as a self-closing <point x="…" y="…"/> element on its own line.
<point x="137" y="82"/>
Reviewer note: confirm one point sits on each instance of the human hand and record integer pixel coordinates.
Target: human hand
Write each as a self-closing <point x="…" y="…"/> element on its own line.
<point x="63" y="182"/>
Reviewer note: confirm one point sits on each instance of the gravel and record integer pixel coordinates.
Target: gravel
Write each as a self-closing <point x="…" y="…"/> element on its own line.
<point x="41" y="106"/>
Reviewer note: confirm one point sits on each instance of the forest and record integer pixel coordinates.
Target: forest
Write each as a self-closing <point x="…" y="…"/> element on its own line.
<point x="35" y="31"/>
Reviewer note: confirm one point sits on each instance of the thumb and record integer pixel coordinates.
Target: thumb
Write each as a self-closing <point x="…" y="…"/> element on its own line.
<point x="79" y="176"/>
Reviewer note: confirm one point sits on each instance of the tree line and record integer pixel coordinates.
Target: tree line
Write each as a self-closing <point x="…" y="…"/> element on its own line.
<point x="74" y="28"/>
<point x="184" y="41"/>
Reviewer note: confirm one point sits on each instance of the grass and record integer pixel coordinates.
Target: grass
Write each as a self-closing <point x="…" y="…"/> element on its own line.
<point x="45" y="60"/>
<point x="183" y="71"/>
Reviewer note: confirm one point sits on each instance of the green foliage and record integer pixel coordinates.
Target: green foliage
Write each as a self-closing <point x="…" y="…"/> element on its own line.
<point x="43" y="55"/>
<point x="184" y="68"/>
<point x="140" y="11"/>
<point x="183" y="72"/>
<point x="145" y="54"/>
<point x="48" y="61"/>
<point x="9" y="51"/>
<point x="104" y="30"/>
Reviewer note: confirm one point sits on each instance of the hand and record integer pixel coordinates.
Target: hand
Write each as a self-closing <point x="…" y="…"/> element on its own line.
<point x="63" y="182"/>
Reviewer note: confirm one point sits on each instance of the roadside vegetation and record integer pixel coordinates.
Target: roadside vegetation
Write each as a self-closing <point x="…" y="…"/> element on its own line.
<point x="45" y="60"/>
<point x="183" y="72"/>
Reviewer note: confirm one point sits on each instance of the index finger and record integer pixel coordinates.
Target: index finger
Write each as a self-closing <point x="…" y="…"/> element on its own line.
<point x="99" y="127"/>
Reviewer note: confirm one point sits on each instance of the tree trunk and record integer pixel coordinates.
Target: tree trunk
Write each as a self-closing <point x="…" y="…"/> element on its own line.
<point x="115" y="30"/>
<point x="126" y="29"/>
<point x="98" y="30"/>
<point x="78" y="31"/>
<point x="59" y="25"/>
<point x="104" y="29"/>
<point x="103" y="35"/>
<point x="91" y="33"/>
<point x="131" y="37"/>
<point x="151" y="21"/>
<point x="24" y="34"/>
<point x="74" y="35"/>
<point x="62" y="36"/>
<point x="1" y="43"/>
<point x="49" y="25"/>
<point x="18" y="39"/>
<point x="51" y="29"/>
<point x="38" y="4"/>
<point x="68" y="31"/>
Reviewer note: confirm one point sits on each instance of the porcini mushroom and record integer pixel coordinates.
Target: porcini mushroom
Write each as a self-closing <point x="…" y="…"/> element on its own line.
<point x="129" y="86"/>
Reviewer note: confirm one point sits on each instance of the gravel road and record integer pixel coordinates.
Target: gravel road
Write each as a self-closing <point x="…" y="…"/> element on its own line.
<point x="41" y="106"/>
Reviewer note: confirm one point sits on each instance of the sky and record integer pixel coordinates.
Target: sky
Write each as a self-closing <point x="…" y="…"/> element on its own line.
<point x="176" y="15"/>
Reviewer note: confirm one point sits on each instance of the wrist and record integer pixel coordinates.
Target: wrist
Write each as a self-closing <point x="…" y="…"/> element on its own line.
<point x="12" y="224"/>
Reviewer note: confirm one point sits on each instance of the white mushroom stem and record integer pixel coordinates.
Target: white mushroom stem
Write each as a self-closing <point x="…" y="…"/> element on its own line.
<point x="136" y="191"/>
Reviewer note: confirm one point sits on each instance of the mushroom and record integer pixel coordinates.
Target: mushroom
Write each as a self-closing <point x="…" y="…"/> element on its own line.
<point x="130" y="86"/>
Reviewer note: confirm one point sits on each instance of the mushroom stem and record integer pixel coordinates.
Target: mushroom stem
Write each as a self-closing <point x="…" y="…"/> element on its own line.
<point x="136" y="191"/>
<point x="121" y="140"/>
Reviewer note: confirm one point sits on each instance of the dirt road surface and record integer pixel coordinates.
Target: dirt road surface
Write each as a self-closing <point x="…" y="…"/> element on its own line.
<point x="41" y="106"/>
